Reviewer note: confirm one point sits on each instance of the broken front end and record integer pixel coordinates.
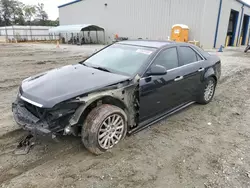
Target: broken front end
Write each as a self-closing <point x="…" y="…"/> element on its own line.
<point x="67" y="117"/>
<point x="42" y="121"/>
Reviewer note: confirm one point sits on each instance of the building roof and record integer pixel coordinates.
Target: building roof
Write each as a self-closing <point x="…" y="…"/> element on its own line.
<point x="75" y="28"/>
<point x="244" y="3"/>
<point x="70" y="3"/>
<point x="146" y="43"/>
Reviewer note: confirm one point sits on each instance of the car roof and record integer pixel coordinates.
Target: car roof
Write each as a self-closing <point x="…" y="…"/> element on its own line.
<point x="147" y="43"/>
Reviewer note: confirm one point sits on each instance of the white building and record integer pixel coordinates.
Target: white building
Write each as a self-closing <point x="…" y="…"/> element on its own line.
<point x="210" y="21"/>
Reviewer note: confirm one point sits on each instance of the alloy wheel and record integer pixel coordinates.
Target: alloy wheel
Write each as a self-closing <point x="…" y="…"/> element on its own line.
<point x="111" y="131"/>
<point x="209" y="90"/>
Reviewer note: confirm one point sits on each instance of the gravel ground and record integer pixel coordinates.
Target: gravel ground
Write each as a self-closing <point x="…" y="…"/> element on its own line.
<point x="201" y="146"/>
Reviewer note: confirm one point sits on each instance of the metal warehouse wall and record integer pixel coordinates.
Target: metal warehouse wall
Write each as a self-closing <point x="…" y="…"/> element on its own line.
<point x="208" y="23"/>
<point x="227" y="5"/>
<point x="152" y="19"/>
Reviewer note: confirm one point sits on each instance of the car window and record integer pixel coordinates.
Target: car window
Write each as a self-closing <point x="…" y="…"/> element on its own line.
<point x="201" y="52"/>
<point x="187" y="55"/>
<point x="118" y="58"/>
<point x="168" y="58"/>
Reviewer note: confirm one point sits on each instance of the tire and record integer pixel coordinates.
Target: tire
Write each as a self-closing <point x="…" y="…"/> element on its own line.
<point x="105" y="122"/>
<point x="247" y="48"/>
<point x="209" y="84"/>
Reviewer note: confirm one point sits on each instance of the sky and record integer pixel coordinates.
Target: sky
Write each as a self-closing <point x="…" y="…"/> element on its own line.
<point x="50" y="6"/>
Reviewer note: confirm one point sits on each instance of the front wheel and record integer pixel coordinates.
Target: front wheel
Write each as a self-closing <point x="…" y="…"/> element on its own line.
<point x="105" y="126"/>
<point x="207" y="92"/>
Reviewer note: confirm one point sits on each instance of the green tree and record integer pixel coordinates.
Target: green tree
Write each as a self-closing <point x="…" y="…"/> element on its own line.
<point x="18" y="13"/>
<point x="6" y="11"/>
<point x="41" y="13"/>
<point x="57" y="21"/>
<point x="11" y="12"/>
<point x="14" y="12"/>
<point x="51" y="23"/>
<point x="29" y="12"/>
<point x="1" y="18"/>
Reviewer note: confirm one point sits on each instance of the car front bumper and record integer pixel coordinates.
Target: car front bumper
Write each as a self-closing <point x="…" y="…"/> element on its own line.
<point x="28" y="121"/>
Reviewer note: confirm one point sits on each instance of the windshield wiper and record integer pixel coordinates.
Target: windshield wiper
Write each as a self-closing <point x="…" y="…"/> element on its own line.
<point x="81" y="63"/>
<point x="101" y="68"/>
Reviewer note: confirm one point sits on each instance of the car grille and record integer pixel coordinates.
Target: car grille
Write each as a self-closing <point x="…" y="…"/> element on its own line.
<point x="36" y="111"/>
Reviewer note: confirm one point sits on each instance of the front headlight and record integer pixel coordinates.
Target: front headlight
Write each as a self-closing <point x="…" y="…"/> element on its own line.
<point x="66" y="105"/>
<point x="62" y="110"/>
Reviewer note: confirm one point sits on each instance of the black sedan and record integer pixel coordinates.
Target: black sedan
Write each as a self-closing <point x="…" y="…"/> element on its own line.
<point x="119" y="90"/>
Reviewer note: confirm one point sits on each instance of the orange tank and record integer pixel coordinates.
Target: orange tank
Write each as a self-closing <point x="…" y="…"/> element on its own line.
<point x="180" y="33"/>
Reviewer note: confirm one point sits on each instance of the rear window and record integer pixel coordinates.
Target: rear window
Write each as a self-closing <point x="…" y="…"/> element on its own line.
<point x="188" y="55"/>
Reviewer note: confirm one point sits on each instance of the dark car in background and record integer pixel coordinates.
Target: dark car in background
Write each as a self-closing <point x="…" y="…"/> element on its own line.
<point x="119" y="90"/>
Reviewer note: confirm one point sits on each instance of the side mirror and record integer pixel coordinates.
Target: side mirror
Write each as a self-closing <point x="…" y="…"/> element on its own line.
<point x="157" y="70"/>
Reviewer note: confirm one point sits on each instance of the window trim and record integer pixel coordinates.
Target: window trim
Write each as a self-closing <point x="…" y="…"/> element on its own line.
<point x="170" y="70"/>
<point x="202" y="57"/>
<point x="198" y="57"/>
<point x="180" y="66"/>
<point x="185" y="65"/>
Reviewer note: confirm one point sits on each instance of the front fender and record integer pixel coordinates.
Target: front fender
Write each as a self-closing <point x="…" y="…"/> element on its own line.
<point x="124" y="95"/>
<point x="88" y="101"/>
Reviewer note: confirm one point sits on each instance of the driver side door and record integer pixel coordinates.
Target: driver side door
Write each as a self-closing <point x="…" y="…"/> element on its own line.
<point x="161" y="93"/>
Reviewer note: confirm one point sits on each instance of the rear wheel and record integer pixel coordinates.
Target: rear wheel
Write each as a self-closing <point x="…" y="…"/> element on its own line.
<point x="105" y="126"/>
<point x="208" y="90"/>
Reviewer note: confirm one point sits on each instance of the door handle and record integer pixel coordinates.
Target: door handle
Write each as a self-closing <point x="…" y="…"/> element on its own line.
<point x="178" y="78"/>
<point x="201" y="69"/>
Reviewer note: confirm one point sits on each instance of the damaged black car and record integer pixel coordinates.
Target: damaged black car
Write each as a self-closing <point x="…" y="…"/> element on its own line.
<point x="117" y="91"/>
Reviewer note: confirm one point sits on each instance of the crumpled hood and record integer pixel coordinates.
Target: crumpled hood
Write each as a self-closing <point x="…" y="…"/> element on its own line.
<point x="58" y="85"/>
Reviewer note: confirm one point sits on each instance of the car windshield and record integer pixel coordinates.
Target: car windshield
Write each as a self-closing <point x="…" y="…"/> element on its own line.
<point x="118" y="58"/>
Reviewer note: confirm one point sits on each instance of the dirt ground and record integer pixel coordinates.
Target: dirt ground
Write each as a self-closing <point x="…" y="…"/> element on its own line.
<point x="201" y="146"/>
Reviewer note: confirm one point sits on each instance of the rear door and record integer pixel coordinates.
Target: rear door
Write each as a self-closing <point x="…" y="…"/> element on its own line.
<point x="192" y="68"/>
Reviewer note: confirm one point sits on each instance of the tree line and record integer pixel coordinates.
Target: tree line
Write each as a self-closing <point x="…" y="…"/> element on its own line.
<point x="14" y="12"/>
